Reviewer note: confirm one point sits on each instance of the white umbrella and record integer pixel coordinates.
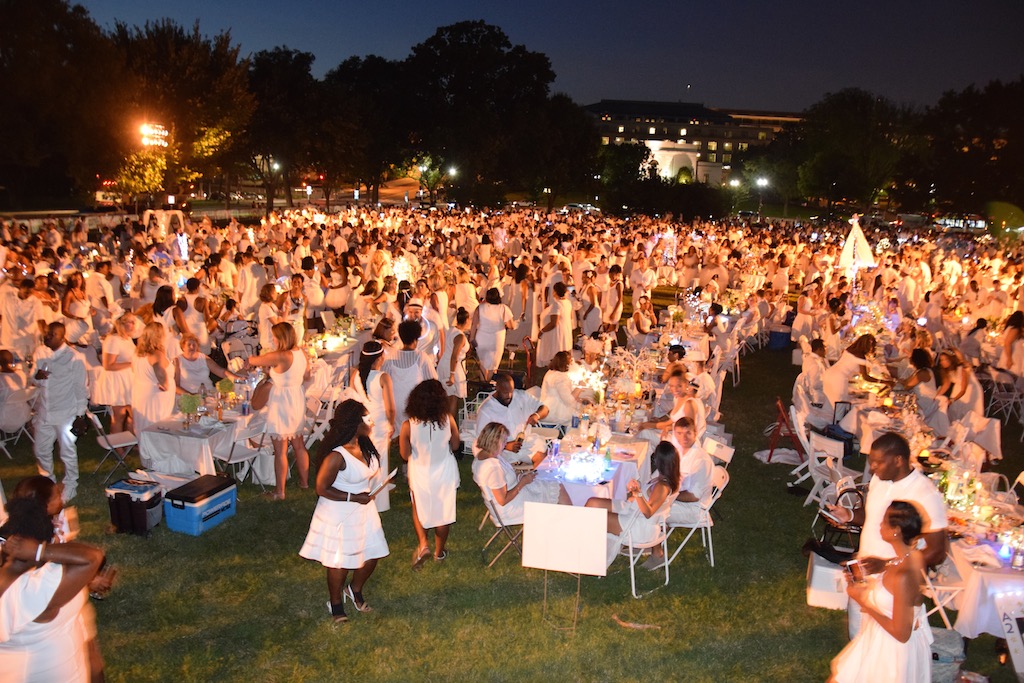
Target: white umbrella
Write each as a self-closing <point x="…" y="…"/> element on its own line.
<point x="856" y="250"/>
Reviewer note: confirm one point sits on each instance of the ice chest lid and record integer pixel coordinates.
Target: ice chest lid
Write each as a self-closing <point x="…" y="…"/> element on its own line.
<point x="138" y="489"/>
<point x="200" y="489"/>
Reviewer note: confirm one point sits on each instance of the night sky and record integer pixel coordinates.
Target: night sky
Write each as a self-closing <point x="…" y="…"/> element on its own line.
<point x="781" y="55"/>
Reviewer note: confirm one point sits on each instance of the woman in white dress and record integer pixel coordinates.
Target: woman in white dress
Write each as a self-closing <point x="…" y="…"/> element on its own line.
<point x="853" y="361"/>
<point x="167" y="312"/>
<point x="42" y="592"/>
<point x="114" y="387"/>
<point x="345" y="533"/>
<point x="557" y="392"/>
<point x="922" y="383"/>
<point x="590" y="305"/>
<point x="451" y="368"/>
<point x="507" y="490"/>
<point x="961" y="385"/>
<point x="373" y="388"/>
<point x="490" y="320"/>
<point x="286" y="406"/>
<point x="1012" y="343"/>
<point x="804" y="324"/>
<point x="426" y="442"/>
<point x="894" y="641"/>
<point x="556" y="326"/>
<point x="465" y="291"/>
<point x="519" y="294"/>
<point x="195" y="314"/>
<point x="152" y="379"/>
<point x="268" y="315"/>
<point x="438" y="298"/>
<point x="77" y="311"/>
<point x="611" y="301"/>
<point x="192" y="369"/>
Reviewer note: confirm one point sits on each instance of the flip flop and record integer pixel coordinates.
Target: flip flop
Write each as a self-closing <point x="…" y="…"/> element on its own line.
<point x="419" y="557"/>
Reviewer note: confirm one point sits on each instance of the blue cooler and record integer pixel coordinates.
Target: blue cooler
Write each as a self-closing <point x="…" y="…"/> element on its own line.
<point x="201" y="504"/>
<point x="778" y="339"/>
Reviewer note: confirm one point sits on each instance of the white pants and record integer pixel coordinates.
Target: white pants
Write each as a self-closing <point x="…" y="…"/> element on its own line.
<point x="45" y="435"/>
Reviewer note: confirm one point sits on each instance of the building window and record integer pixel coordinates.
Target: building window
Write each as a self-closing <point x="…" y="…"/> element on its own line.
<point x="652" y="130"/>
<point x="605" y="140"/>
<point x="762" y="135"/>
<point x="622" y="129"/>
<point x="743" y="147"/>
<point x="727" y="146"/>
<point x="682" y="132"/>
<point x="618" y="141"/>
<point x="712" y="157"/>
<point x="712" y="145"/>
<point x="726" y="158"/>
<point x="699" y="144"/>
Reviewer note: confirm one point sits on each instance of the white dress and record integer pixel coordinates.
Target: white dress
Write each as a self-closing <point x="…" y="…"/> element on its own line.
<point x="556" y="395"/>
<point x="286" y="405"/>
<point x="344" y="535"/>
<point x="493" y="473"/>
<point x="263" y="318"/>
<point x="973" y="400"/>
<point x="196" y="323"/>
<point x="433" y="473"/>
<point x="459" y="387"/>
<point x="114" y="387"/>
<point x="81" y="325"/>
<point x="149" y="404"/>
<point x="194" y="373"/>
<point x="490" y="335"/>
<point x="874" y="656"/>
<point x="407" y="368"/>
<point x="558" y="338"/>
<point x="835" y="380"/>
<point x="381" y="433"/>
<point x="41" y="653"/>
<point x="803" y="325"/>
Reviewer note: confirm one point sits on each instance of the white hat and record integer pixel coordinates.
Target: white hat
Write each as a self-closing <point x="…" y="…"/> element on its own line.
<point x="416" y="301"/>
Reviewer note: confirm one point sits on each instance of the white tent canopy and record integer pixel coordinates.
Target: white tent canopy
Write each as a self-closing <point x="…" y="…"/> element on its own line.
<point x="856" y="250"/>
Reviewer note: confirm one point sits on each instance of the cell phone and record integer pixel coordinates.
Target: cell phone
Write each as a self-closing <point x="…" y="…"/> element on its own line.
<point x="856" y="571"/>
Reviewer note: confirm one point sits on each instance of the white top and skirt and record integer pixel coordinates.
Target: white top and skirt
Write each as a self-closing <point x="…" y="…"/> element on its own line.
<point x="286" y="404"/>
<point x="459" y="387"/>
<point x="344" y="535"/>
<point x="114" y="387"/>
<point x="490" y="334"/>
<point x="433" y="473"/>
<point x="149" y="403"/>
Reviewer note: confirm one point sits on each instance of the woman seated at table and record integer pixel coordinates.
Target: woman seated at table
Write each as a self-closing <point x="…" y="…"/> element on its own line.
<point x="894" y="641"/>
<point x="961" y="385"/>
<point x="970" y="345"/>
<point x="192" y="369"/>
<point x="652" y="430"/>
<point x="644" y="321"/>
<point x="644" y="507"/>
<point x="557" y="392"/>
<point x="492" y="473"/>
<point x="854" y="361"/>
<point x="922" y="383"/>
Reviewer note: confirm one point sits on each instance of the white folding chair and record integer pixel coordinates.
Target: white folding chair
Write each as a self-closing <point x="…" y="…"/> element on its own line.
<point x="243" y="453"/>
<point x="634" y="549"/>
<point x="704" y="523"/>
<point x="503" y="528"/>
<point x="826" y="454"/>
<point x="118" y="444"/>
<point x="236" y="348"/>
<point x="29" y="395"/>
<point x="719" y="451"/>
<point x="944" y="594"/>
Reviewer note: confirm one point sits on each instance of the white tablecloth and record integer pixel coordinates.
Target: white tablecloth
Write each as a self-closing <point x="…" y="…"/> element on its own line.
<point x="167" y="447"/>
<point x="612" y="486"/>
<point x="978" y="613"/>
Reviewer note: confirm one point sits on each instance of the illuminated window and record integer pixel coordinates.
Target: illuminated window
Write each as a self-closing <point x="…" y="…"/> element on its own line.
<point x="743" y="147"/>
<point x="618" y="141"/>
<point x="622" y="129"/>
<point x="726" y="158"/>
<point x="604" y="141"/>
<point x="682" y="132"/>
<point x="699" y="144"/>
<point x="712" y="157"/>
<point x="712" y="145"/>
<point x="762" y="135"/>
<point x="727" y="146"/>
<point x="651" y="130"/>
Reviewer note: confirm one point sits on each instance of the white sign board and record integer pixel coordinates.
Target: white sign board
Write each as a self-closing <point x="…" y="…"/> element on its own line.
<point x="565" y="538"/>
<point x="1011" y="614"/>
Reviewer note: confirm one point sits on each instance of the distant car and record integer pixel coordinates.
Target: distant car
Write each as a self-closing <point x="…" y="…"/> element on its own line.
<point x="746" y="215"/>
<point x="586" y="208"/>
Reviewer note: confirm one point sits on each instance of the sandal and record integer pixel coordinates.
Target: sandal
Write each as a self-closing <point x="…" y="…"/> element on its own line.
<point x="442" y="557"/>
<point x="273" y="495"/>
<point x="357" y="599"/>
<point x="419" y="557"/>
<point x="338" y="611"/>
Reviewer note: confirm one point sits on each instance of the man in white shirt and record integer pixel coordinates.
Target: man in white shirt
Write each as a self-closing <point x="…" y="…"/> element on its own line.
<point x="695" y="473"/>
<point x="515" y="409"/>
<point x="61" y="377"/>
<point x="894" y="478"/>
<point x="21" y="314"/>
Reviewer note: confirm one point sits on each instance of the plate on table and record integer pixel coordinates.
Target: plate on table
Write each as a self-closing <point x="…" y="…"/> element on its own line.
<point x="625" y="455"/>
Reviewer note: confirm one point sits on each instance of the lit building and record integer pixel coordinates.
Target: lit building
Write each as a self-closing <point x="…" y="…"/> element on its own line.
<point x="686" y="137"/>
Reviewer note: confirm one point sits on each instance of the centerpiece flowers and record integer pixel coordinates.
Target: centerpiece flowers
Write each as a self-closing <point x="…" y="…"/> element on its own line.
<point x="189" y="404"/>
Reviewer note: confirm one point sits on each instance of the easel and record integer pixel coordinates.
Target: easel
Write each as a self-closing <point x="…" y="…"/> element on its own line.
<point x="567" y="539"/>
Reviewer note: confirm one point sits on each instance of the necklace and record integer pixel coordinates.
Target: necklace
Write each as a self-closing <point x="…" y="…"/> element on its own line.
<point x="897" y="561"/>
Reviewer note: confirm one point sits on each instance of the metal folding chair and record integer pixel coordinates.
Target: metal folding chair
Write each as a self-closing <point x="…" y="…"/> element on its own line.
<point x="118" y="444"/>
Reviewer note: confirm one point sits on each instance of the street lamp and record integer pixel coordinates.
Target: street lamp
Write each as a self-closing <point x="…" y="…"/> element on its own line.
<point x="761" y="184"/>
<point x="153" y="135"/>
<point x="735" y="185"/>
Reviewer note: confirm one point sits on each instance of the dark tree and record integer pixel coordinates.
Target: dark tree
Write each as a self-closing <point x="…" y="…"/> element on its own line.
<point x="559" y="150"/>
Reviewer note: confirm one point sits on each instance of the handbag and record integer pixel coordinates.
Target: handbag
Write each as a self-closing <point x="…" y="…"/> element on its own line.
<point x="261" y="394"/>
<point x="80" y="426"/>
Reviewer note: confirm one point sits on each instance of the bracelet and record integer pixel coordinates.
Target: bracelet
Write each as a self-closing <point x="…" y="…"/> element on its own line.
<point x="39" y="552"/>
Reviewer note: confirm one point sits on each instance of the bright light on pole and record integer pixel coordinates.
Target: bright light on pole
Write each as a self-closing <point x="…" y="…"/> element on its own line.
<point x="761" y="184"/>
<point x="153" y="135"/>
<point x="734" y="184"/>
<point x="452" y="171"/>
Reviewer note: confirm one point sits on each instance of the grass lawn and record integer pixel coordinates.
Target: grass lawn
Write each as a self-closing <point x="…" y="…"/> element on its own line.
<point x="239" y="604"/>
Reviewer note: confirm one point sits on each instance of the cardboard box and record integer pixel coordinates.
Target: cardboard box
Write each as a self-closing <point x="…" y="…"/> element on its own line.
<point x="201" y="504"/>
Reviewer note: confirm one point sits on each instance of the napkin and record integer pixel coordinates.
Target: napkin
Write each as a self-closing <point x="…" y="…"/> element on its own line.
<point x="208" y="421"/>
<point x="877" y="419"/>
<point x="982" y="555"/>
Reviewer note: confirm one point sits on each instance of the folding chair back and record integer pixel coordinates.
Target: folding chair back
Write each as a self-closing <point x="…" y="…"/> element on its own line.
<point x="119" y="444"/>
<point x="633" y="547"/>
<point x="503" y="528"/>
<point x="719" y="451"/>
<point x="243" y="451"/>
